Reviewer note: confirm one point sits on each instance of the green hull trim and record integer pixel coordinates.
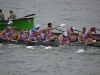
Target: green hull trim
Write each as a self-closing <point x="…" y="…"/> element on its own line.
<point x="26" y="23"/>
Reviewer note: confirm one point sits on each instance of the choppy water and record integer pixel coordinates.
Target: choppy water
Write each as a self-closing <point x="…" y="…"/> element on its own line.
<point x="18" y="60"/>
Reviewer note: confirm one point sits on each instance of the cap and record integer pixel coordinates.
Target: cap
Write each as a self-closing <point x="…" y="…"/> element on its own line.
<point x="10" y="22"/>
<point x="73" y="27"/>
<point x="65" y="34"/>
<point x="10" y="10"/>
<point x="37" y="26"/>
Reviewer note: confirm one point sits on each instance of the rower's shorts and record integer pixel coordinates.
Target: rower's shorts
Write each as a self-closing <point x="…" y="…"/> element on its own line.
<point x="32" y="37"/>
<point x="79" y="41"/>
<point x="42" y="39"/>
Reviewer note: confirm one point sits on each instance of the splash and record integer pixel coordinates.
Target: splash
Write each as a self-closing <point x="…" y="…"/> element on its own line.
<point x="80" y="51"/>
<point x="30" y="47"/>
<point x="49" y="47"/>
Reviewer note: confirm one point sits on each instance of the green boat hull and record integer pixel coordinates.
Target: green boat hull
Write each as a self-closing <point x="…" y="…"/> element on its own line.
<point x="26" y="23"/>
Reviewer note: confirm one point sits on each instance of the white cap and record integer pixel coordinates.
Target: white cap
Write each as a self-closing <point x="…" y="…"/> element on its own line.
<point x="73" y="27"/>
<point x="10" y="22"/>
<point x="65" y="34"/>
<point x="37" y="26"/>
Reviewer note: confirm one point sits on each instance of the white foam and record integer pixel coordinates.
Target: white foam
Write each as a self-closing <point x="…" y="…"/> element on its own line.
<point x="49" y="47"/>
<point x="80" y="51"/>
<point x="30" y="47"/>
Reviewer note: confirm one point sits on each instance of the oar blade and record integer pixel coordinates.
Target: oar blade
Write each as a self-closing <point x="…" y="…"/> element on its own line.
<point x="29" y="15"/>
<point x="62" y="25"/>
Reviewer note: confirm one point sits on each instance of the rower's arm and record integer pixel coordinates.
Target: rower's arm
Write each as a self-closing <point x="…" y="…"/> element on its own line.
<point x="51" y="28"/>
<point x="18" y="36"/>
<point x="2" y="33"/>
<point x="38" y="34"/>
<point x="80" y="36"/>
<point x="69" y="34"/>
<point x="95" y="32"/>
<point x="90" y="34"/>
<point x="9" y="16"/>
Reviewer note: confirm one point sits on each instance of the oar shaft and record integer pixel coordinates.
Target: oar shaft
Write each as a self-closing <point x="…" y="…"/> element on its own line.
<point x="98" y="29"/>
<point x="60" y="30"/>
<point x="78" y="30"/>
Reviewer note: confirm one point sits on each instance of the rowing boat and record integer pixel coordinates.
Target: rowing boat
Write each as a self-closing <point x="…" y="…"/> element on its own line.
<point x="96" y="36"/>
<point x="24" y="23"/>
<point x="51" y="43"/>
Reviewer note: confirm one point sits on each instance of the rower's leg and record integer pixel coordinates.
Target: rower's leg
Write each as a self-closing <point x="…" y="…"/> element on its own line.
<point x="61" y="40"/>
<point x="74" y="38"/>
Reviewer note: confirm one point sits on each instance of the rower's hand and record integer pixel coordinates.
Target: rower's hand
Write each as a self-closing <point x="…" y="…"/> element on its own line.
<point x="52" y="38"/>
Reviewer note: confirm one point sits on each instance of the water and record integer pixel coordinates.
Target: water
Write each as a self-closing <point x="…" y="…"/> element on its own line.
<point x="19" y="60"/>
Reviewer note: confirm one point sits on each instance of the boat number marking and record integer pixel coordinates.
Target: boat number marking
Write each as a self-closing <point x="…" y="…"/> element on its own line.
<point x="29" y="21"/>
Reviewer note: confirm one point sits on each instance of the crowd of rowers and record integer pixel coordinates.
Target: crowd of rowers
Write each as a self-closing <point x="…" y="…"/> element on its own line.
<point x="46" y="34"/>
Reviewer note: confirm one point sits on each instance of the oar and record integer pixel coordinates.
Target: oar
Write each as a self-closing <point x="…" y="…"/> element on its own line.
<point x="60" y="30"/>
<point x="25" y="16"/>
<point x="78" y="30"/>
<point x="60" y="25"/>
<point x="98" y="29"/>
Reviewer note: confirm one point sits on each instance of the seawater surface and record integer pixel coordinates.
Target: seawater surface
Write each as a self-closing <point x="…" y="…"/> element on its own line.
<point x="19" y="60"/>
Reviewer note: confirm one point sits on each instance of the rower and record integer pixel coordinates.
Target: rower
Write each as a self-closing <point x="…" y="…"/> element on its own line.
<point x="42" y="35"/>
<point x="5" y="34"/>
<point x="82" y="35"/>
<point x="12" y="15"/>
<point x="89" y="32"/>
<point x="22" y="35"/>
<point x="2" y="17"/>
<point x="33" y="33"/>
<point x="49" y="33"/>
<point x="70" y="36"/>
<point x="63" y="38"/>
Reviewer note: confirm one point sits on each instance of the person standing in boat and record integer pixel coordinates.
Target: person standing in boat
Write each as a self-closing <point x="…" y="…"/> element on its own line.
<point x="63" y="38"/>
<point x="12" y="15"/>
<point x="49" y="33"/>
<point x="33" y="33"/>
<point x="22" y="35"/>
<point x="82" y="35"/>
<point x="70" y="36"/>
<point x="89" y="33"/>
<point x="2" y="17"/>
